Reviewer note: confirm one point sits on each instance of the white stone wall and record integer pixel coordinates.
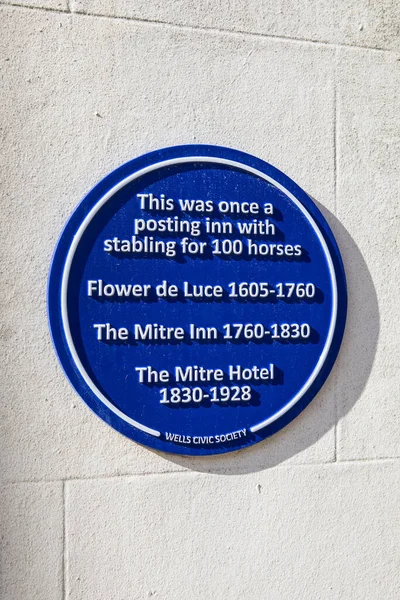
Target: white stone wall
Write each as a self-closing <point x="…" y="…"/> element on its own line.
<point x="313" y="88"/>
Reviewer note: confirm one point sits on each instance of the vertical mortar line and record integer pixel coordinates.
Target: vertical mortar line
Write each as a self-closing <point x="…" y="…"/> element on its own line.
<point x="64" y="541"/>
<point x="335" y="208"/>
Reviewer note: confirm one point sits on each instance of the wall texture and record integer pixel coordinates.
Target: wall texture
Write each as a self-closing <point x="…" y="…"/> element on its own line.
<point x="313" y="88"/>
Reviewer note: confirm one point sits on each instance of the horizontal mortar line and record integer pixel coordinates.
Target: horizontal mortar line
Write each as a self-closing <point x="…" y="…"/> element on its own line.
<point x="40" y="8"/>
<point x="93" y="477"/>
<point x="236" y="33"/>
<point x="363" y="461"/>
<point x="204" y="29"/>
<point x="229" y="472"/>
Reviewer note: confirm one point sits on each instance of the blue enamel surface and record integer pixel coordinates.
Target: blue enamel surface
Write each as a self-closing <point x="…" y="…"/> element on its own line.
<point x="111" y="366"/>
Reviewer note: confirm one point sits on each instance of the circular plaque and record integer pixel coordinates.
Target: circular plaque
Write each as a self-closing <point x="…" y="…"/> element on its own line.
<point x="197" y="299"/>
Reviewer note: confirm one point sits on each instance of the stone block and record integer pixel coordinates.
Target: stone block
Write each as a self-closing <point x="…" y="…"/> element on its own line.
<point x="318" y="531"/>
<point x="79" y="100"/>
<point x="374" y="24"/>
<point x="31" y="523"/>
<point x="368" y="208"/>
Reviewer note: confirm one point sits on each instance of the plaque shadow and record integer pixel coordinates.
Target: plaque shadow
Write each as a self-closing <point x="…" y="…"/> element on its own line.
<point x="320" y="418"/>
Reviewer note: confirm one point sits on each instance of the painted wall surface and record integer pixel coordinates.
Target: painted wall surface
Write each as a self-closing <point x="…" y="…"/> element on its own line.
<point x="314" y="89"/>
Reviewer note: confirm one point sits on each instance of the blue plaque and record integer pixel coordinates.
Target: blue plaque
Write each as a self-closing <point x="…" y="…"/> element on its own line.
<point x="197" y="299"/>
